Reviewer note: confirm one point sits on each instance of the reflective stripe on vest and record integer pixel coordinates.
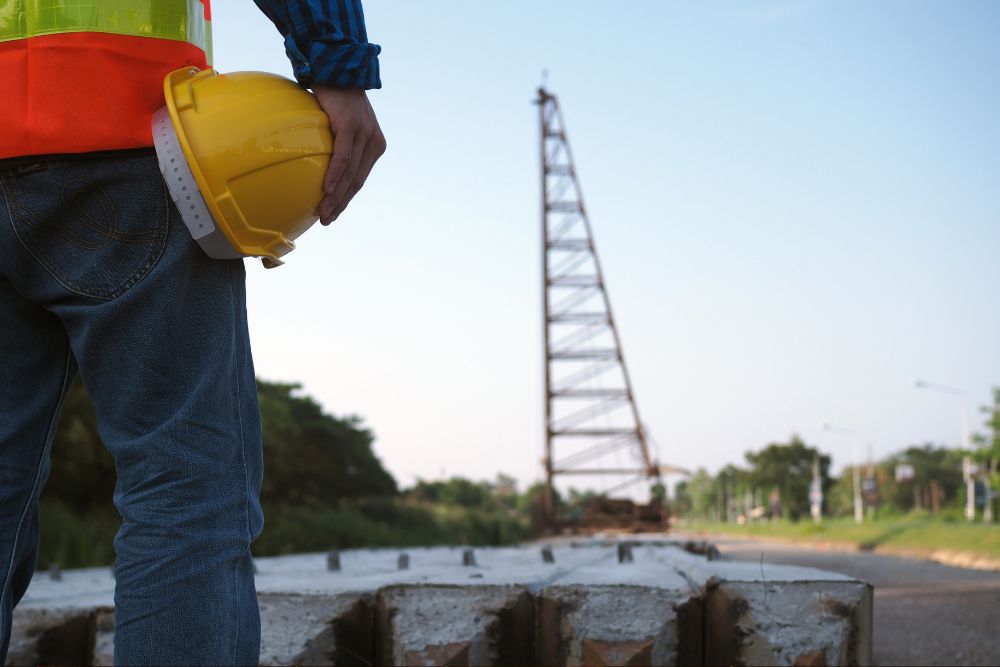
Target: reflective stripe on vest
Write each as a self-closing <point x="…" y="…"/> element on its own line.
<point x="87" y="75"/>
<point x="181" y="20"/>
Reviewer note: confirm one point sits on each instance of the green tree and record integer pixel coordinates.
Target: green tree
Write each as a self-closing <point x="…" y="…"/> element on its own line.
<point x="787" y="468"/>
<point x="657" y="493"/>
<point x="505" y="492"/>
<point x="532" y="505"/>
<point x="698" y="496"/>
<point x="732" y="483"/>
<point x="312" y="458"/>
<point x="457" y="491"/>
<point x="681" y="505"/>
<point x="936" y="471"/>
<point x="988" y="454"/>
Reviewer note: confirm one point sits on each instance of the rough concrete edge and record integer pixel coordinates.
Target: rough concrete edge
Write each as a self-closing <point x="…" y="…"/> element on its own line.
<point x="719" y="641"/>
<point x="350" y="629"/>
<point x="722" y="635"/>
<point x="866" y="635"/>
<point x="521" y="603"/>
<point x="551" y="603"/>
<point x="50" y="641"/>
<point x="691" y="623"/>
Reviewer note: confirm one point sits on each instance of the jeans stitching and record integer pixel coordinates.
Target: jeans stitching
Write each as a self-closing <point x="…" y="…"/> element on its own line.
<point x="34" y="487"/>
<point x="32" y="219"/>
<point x="162" y="213"/>
<point x="98" y="294"/>
<point x="243" y="451"/>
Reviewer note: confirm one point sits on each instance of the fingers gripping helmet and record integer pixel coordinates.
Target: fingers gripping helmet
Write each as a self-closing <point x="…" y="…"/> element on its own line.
<point x="244" y="156"/>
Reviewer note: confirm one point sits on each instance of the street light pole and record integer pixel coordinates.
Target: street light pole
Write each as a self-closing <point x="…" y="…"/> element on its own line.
<point x="963" y="420"/>
<point x="816" y="492"/>
<point x="859" y="506"/>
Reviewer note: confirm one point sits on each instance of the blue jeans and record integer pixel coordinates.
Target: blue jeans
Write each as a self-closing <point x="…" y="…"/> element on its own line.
<point x="99" y="275"/>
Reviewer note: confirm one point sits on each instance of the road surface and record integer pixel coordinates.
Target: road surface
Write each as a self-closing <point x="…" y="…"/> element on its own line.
<point x="925" y="613"/>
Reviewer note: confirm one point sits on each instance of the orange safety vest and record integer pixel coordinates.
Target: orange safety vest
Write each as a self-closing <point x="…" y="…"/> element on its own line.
<point x="87" y="75"/>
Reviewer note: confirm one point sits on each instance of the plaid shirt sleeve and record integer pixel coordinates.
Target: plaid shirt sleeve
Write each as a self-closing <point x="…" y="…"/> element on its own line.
<point x="326" y="41"/>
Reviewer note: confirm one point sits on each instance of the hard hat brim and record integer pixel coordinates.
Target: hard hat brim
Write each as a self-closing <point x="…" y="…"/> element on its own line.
<point x="185" y="191"/>
<point x="176" y="92"/>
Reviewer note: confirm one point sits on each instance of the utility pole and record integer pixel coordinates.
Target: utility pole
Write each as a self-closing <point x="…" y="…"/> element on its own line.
<point x="968" y="475"/>
<point x="872" y="496"/>
<point x="967" y="466"/>
<point x="816" y="493"/>
<point x="859" y="507"/>
<point x="591" y="416"/>
<point x="991" y="469"/>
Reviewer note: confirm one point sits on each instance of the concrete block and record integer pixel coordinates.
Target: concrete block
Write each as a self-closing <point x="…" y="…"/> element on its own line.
<point x="788" y="623"/>
<point x="618" y="625"/>
<point x="316" y="630"/>
<point x="457" y="626"/>
<point x="666" y="605"/>
<point x="50" y="636"/>
<point x="764" y="614"/>
<point x="599" y="612"/>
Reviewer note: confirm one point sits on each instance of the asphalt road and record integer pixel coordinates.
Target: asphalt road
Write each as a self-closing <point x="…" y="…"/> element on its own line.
<point x="925" y="613"/>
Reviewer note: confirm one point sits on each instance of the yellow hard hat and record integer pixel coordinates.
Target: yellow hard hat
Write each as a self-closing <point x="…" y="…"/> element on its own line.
<point x="244" y="156"/>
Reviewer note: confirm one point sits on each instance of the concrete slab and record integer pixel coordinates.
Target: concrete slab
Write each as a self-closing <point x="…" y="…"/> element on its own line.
<point x="86" y="588"/>
<point x="573" y="604"/>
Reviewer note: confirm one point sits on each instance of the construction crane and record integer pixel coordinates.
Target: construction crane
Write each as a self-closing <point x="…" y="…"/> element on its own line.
<point x="591" y="415"/>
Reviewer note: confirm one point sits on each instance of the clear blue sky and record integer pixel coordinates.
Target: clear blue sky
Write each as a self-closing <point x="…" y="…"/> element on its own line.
<point x="797" y="205"/>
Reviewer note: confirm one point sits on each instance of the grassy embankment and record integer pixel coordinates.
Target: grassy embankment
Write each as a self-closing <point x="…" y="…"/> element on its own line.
<point x="914" y="534"/>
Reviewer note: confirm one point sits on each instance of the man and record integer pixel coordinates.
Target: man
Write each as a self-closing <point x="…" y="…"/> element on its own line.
<point x="98" y="275"/>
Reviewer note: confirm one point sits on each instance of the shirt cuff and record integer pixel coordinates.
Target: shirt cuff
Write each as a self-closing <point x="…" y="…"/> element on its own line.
<point x="335" y="61"/>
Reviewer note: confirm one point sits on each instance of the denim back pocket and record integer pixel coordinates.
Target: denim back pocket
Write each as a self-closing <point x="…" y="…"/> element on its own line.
<point x="98" y="226"/>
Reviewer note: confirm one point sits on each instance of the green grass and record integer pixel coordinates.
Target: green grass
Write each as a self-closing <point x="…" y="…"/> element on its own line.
<point x="919" y="533"/>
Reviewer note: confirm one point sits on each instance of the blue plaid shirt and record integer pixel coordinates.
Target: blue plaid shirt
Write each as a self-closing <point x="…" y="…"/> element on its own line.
<point x="326" y="41"/>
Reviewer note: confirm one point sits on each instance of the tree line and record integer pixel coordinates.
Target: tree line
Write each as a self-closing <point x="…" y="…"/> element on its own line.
<point x="323" y="487"/>
<point x="775" y="482"/>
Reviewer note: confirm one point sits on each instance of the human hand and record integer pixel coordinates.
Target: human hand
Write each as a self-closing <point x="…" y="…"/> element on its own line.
<point x="357" y="143"/>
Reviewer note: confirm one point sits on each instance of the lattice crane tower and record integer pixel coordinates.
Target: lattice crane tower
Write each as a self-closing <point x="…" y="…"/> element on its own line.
<point x="591" y="417"/>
